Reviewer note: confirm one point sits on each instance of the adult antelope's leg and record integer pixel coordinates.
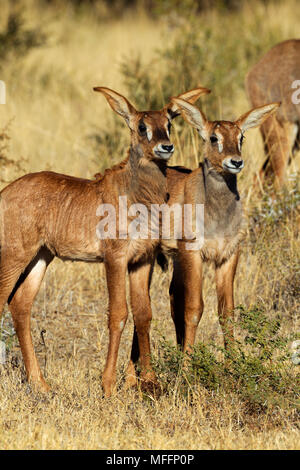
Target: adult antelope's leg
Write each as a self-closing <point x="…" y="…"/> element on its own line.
<point x="118" y="313"/>
<point x="186" y="296"/>
<point x="277" y="144"/>
<point x="140" y="279"/>
<point x="225" y="274"/>
<point x="20" y="304"/>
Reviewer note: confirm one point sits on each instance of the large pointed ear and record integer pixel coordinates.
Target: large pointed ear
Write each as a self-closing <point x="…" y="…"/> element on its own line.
<point x="118" y="103"/>
<point x="193" y="116"/>
<point x="190" y="96"/>
<point x="255" y="117"/>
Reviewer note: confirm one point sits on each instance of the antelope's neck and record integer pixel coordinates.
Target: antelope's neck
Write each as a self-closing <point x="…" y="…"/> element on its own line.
<point x="220" y="189"/>
<point x="148" y="183"/>
<point x="222" y="205"/>
<point x="224" y="225"/>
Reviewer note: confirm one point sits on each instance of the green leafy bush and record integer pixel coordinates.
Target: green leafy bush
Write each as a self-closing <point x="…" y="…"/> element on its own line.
<point x="258" y="369"/>
<point x="274" y="209"/>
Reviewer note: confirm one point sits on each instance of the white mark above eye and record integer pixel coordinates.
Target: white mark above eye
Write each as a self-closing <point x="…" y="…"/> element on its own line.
<point x="149" y="134"/>
<point x="168" y="129"/>
<point x="220" y="141"/>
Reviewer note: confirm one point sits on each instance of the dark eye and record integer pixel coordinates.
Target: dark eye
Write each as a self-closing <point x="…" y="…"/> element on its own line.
<point x="169" y="127"/>
<point x="142" y="128"/>
<point x="213" y="139"/>
<point x="242" y="139"/>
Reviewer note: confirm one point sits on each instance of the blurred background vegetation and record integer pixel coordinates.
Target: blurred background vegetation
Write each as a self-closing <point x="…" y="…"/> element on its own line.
<point x="52" y="53"/>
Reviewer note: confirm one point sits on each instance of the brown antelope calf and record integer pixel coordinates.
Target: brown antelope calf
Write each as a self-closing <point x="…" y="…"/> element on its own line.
<point x="275" y="78"/>
<point x="213" y="185"/>
<point x="46" y="214"/>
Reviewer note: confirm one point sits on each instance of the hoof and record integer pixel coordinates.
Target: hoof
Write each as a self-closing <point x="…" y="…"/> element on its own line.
<point x="130" y="382"/>
<point x="151" y="388"/>
<point x="108" y="388"/>
<point x="39" y="386"/>
<point x="107" y="392"/>
<point x="131" y="378"/>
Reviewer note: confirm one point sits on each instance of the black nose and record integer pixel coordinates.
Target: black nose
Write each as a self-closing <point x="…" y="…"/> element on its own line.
<point x="168" y="148"/>
<point x="236" y="163"/>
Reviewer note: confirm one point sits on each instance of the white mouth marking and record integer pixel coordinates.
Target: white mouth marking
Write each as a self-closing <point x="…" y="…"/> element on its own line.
<point x="161" y="153"/>
<point x="231" y="168"/>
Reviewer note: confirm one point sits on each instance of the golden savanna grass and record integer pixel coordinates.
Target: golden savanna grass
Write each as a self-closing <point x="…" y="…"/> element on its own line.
<point x="52" y="119"/>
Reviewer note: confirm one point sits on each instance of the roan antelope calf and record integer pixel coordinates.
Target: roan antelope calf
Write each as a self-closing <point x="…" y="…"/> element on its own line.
<point x="274" y="78"/>
<point x="47" y="214"/>
<point x="213" y="185"/>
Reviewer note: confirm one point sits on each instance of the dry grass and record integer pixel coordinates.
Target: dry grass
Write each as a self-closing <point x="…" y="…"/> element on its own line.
<point x="53" y="115"/>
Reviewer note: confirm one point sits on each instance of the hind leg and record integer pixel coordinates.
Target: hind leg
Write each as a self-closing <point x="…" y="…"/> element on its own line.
<point x="294" y="136"/>
<point x="9" y="275"/>
<point x="20" y="303"/>
<point x="224" y="276"/>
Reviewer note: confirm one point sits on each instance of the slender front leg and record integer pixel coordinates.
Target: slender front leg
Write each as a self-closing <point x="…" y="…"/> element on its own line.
<point x="118" y="313"/>
<point x="140" y="278"/>
<point x="186" y="296"/>
<point x="224" y="282"/>
<point x="192" y="275"/>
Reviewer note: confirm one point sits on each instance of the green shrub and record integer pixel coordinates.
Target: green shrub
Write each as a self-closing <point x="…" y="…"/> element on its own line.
<point x="258" y="369"/>
<point x="275" y="209"/>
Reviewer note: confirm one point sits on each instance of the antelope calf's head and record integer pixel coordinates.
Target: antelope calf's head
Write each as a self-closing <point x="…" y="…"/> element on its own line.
<point x="150" y="130"/>
<point x="223" y="140"/>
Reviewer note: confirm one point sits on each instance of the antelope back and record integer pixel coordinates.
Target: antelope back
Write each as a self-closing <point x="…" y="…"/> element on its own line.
<point x="274" y="78"/>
